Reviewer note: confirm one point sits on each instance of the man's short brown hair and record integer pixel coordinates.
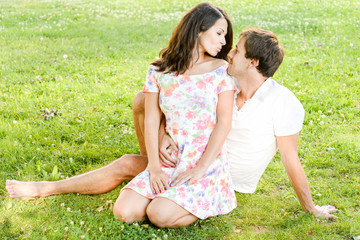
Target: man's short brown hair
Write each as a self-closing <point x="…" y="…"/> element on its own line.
<point x="264" y="46"/>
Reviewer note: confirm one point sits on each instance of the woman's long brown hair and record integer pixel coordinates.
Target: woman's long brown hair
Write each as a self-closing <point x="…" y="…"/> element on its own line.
<point x="176" y="57"/>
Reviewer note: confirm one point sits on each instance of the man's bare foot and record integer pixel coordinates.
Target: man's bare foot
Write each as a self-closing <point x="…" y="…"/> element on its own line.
<point x="24" y="190"/>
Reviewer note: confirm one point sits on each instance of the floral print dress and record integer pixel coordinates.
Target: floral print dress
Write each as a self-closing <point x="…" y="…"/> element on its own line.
<point x="189" y="104"/>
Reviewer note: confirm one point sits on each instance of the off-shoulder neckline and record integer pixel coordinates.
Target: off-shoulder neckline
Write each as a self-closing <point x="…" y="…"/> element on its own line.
<point x="193" y="75"/>
<point x="200" y="74"/>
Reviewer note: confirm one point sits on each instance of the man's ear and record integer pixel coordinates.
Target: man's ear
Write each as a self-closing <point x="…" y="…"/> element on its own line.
<point x="254" y="62"/>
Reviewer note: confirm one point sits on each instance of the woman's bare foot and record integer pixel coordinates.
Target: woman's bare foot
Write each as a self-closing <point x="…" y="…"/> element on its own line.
<point x="24" y="190"/>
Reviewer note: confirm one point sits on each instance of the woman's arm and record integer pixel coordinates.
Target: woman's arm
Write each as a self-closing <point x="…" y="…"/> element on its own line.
<point x="159" y="181"/>
<point x="223" y="125"/>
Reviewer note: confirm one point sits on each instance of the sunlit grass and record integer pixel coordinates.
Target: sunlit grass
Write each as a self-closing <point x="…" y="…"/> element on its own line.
<point x="88" y="58"/>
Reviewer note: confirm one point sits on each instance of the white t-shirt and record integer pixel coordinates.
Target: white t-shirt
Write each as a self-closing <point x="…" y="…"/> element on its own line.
<point x="272" y="111"/>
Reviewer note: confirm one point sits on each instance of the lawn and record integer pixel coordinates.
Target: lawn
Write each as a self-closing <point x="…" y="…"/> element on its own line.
<point x="86" y="59"/>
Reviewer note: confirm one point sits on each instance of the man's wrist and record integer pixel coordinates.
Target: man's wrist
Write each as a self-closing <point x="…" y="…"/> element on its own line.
<point x="311" y="210"/>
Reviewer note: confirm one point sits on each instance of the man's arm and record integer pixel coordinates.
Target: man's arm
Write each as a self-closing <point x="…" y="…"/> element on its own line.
<point x="289" y="157"/>
<point x="165" y="141"/>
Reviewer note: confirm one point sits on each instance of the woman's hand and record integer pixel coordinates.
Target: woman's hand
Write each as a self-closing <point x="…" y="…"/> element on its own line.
<point x="159" y="181"/>
<point x="189" y="176"/>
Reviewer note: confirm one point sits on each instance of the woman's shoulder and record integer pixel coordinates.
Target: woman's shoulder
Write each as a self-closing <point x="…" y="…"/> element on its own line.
<point x="220" y="62"/>
<point x="217" y="63"/>
<point x="154" y="70"/>
<point x="153" y="67"/>
<point x="220" y="66"/>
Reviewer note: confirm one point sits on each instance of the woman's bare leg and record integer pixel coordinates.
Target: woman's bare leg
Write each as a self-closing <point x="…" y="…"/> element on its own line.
<point x="94" y="182"/>
<point x="131" y="206"/>
<point x="165" y="213"/>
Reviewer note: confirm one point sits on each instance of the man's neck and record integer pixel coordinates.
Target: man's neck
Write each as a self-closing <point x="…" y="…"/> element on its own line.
<point x="249" y="85"/>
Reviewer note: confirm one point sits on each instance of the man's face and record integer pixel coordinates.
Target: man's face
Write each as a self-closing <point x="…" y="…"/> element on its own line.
<point x="238" y="64"/>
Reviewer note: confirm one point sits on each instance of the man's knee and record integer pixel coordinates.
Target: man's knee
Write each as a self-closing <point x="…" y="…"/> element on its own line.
<point x="124" y="162"/>
<point x="129" y="165"/>
<point x="138" y="104"/>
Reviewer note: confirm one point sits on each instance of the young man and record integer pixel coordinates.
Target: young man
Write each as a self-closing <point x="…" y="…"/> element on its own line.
<point x="266" y="116"/>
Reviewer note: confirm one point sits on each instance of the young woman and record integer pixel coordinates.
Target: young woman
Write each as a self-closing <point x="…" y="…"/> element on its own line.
<point x="190" y="86"/>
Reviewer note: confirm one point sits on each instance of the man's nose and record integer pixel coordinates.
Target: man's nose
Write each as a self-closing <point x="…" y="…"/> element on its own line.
<point x="230" y="54"/>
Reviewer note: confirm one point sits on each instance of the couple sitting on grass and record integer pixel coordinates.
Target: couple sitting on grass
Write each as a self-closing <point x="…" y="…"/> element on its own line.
<point x="206" y="128"/>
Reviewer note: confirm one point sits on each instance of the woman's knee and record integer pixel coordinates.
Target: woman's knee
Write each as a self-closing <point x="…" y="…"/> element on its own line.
<point x="160" y="216"/>
<point x="127" y="211"/>
<point x="165" y="213"/>
<point x="155" y="216"/>
<point x="125" y="214"/>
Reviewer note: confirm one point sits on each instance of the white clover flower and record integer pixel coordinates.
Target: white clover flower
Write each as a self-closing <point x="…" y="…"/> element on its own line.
<point x="66" y="228"/>
<point x="62" y="204"/>
<point x="122" y="227"/>
<point x="322" y="122"/>
<point x="65" y="56"/>
<point x="100" y="229"/>
<point x="165" y="236"/>
<point x="68" y="209"/>
<point x="81" y="223"/>
<point x="82" y="236"/>
<point x="72" y="222"/>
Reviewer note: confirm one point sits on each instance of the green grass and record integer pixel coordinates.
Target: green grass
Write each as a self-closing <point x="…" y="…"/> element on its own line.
<point x="88" y="58"/>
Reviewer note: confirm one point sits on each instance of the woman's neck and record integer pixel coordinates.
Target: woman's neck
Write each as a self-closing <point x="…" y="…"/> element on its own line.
<point x="199" y="57"/>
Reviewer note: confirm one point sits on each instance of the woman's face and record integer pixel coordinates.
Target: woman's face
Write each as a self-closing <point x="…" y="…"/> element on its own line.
<point x="212" y="40"/>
